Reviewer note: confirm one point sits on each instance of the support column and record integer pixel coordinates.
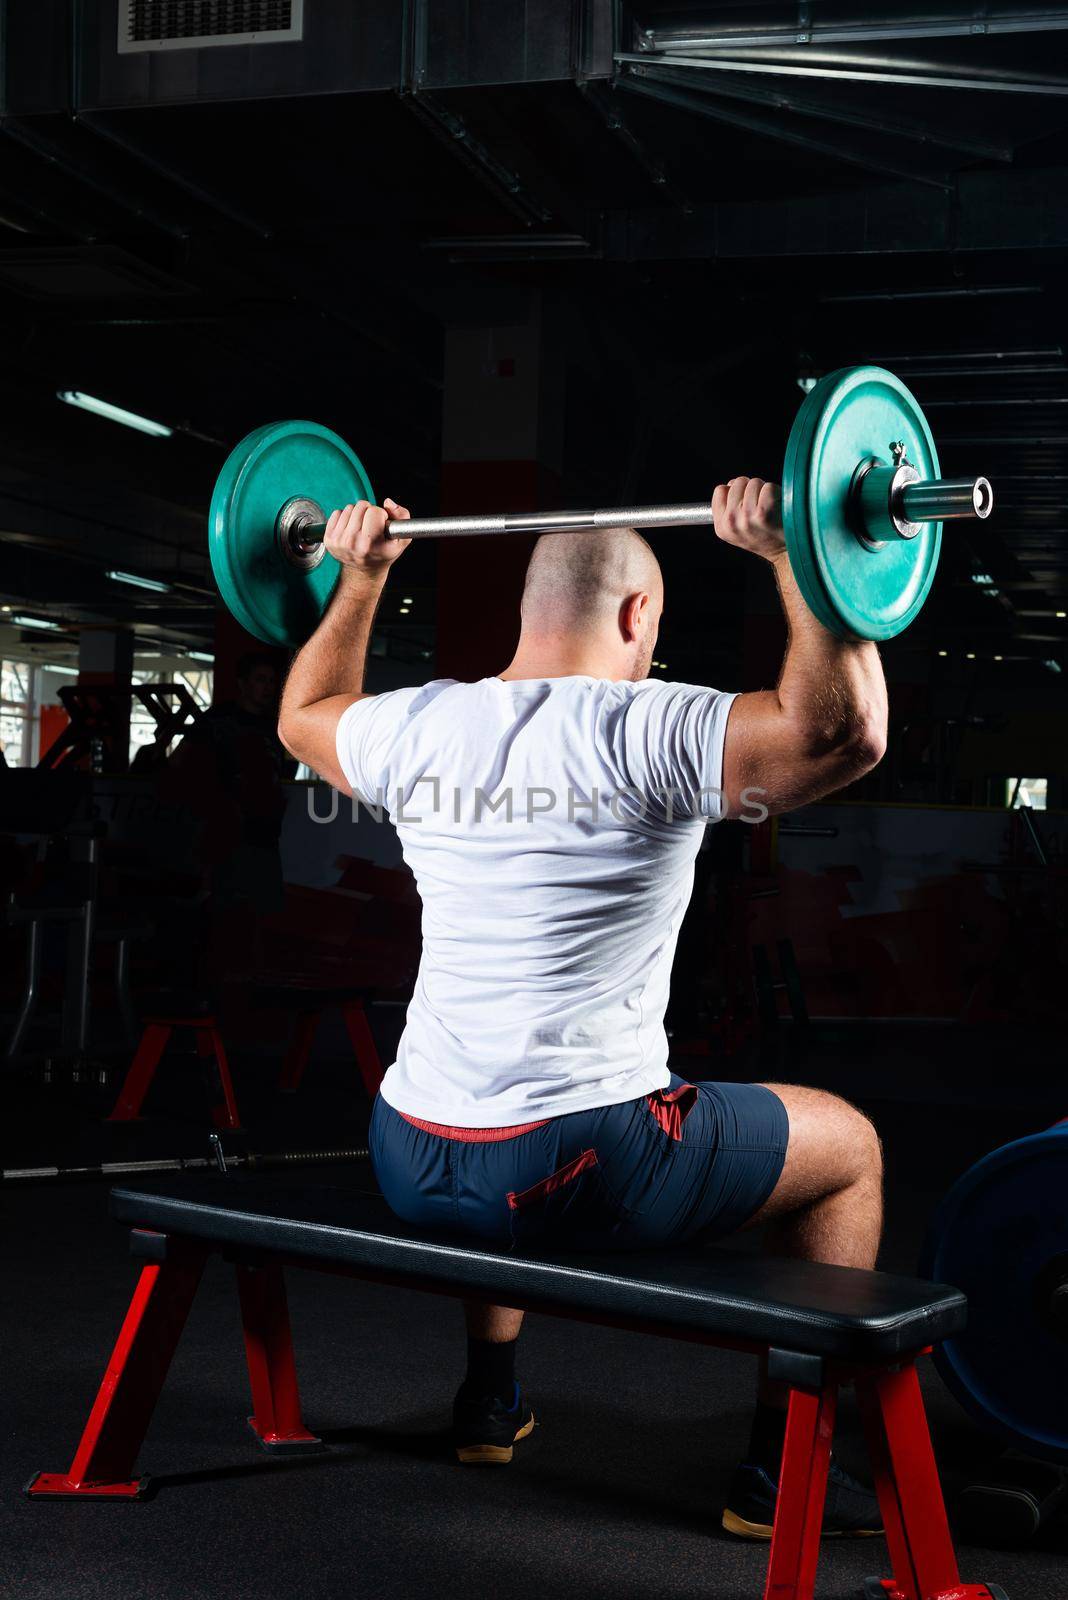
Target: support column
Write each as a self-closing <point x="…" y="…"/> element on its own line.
<point x="502" y="440"/>
<point x="105" y="673"/>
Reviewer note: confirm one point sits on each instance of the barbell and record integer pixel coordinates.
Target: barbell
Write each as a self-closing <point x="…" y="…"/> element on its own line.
<point x="863" y="508"/>
<point x="217" y="1159"/>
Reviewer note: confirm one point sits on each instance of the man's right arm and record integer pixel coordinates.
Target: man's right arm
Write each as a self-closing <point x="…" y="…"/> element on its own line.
<point x="824" y="724"/>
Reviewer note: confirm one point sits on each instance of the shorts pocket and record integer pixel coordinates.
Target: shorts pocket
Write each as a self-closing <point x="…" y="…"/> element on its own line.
<point x="571" y="1206"/>
<point x="671" y="1107"/>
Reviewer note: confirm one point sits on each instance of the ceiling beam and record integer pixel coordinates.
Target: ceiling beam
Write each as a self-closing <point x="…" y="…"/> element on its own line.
<point x="988" y="211"/>
<point x="813" y="32"/>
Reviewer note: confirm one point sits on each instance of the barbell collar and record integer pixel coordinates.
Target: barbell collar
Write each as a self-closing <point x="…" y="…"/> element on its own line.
<point x="894" y="502"/>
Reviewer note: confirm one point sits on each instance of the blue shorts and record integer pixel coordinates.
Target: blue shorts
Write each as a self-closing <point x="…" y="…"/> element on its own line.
<point x="694" y="1159"/>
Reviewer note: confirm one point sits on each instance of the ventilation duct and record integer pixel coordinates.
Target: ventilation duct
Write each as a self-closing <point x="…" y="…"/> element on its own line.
<point x="196" y="24"/>
<point x="179" y="52"/>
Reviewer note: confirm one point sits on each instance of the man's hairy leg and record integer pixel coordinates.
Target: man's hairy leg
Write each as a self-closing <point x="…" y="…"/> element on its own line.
<point x="828" y="1202"/>
<point x="494" y="1324"/>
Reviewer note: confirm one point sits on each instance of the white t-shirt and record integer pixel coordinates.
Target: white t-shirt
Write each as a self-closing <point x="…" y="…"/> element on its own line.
<point x="552" y="826"/>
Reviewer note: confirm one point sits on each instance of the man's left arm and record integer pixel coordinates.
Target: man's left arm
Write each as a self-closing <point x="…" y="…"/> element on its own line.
<point x="327" y="673"/>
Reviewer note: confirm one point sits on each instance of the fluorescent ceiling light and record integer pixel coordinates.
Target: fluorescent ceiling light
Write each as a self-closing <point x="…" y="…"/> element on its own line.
<point x="36" y="622"/>
<point x="199" y="655"/>
<point x="104" y="408"/>
<point x="139" y="582"/>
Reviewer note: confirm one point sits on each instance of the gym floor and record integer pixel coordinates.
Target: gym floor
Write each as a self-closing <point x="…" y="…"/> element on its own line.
<point x="616" y="1495"/>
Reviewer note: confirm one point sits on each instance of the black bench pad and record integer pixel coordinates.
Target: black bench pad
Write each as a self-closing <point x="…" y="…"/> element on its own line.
<point x="712" y="1293"/>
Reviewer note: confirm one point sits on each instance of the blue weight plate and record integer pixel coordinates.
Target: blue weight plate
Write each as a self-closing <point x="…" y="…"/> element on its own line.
<point x="274" y="600"/>
<point x="1001" y="1235"/>
<point x="855" y="590"/>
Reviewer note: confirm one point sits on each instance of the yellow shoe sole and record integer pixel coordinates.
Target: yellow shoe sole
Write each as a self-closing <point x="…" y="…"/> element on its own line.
<point x="491" y="1455"/>
<point x="732" y="1523"/>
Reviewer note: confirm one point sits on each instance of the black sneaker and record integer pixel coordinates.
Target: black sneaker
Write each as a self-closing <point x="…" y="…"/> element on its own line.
<point x="851" y="1510"/>
<point x="484" y="1429"/>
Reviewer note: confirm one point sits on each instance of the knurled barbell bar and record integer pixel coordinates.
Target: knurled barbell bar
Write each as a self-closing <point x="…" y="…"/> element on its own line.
<point x="863" y="507"/>
<point x="217" y="1160"/>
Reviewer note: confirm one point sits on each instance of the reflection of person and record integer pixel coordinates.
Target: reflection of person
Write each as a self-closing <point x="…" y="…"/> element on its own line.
<point x="531" y="1098"/>
<point x="228" y="772"/>
<point x="257" y="688"/>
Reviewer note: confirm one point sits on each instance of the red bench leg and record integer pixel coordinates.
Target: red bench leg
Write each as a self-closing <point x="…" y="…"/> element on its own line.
<point x="910" y="1495"/>
<point x="106" y="1458"/>
<point x="276" y="1418"/>
<point x="364" y="1047"/>
<point x="142" y="1070"/>
<point x="299" y="1051"/>
<point x="224" y="1114"/>
<point x="806" y="1457"/>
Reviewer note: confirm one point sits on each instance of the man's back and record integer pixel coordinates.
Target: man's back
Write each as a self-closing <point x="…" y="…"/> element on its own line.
<point x="552" y="826"/>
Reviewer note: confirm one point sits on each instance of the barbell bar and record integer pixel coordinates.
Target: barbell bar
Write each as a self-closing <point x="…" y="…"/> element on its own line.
<point x="863" y="508"/>
<point x="217" y="1160"/>
<point x="940" y="501"/>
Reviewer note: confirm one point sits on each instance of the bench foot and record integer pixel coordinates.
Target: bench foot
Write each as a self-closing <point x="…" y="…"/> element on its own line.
<point x="300" y="1443"/>
<point x="276" y="1419"/>
<point x="910" y="1495"/>
<point x="106" y="1458"/>
<point x="61" y="1486"/>
<point x="887" y="1589"/>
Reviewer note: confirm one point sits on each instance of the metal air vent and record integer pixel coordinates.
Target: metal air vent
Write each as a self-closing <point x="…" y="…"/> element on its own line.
<point x="195" y="24"/>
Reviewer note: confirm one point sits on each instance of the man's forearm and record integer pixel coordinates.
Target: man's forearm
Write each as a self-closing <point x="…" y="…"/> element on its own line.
<point x="334" y="659"/>
<point x="833" y="688"/>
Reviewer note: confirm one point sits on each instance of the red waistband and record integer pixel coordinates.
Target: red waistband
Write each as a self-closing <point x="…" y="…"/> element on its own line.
<point x="473" y="1135"/>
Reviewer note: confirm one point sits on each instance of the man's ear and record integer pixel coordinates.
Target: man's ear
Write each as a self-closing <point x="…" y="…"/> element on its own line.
<point x="632" y="616"/>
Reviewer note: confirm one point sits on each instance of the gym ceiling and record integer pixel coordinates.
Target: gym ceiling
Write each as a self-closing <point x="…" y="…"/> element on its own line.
<point x="726" y="198"/>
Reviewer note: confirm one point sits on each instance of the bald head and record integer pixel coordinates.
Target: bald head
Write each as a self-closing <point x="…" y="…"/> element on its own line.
<point x="599" y="590"/>
<point x="579" y="580"/>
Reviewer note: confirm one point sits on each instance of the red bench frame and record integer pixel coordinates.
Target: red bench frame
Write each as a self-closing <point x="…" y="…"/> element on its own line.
<point x="906" y="1477"/>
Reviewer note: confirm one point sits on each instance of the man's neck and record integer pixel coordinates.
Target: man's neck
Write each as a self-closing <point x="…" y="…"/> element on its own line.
<point x="554" y="658"/>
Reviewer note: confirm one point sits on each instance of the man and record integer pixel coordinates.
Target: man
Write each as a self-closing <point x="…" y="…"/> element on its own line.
<point x="552" y="815"/>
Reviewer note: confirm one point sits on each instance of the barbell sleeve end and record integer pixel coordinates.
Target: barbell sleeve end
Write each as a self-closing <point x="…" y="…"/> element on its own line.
<point x="946" y="499"/>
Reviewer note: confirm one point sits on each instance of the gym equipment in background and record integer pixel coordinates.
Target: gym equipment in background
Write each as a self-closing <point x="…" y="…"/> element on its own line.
<point x="1001" y="1235"/>
<point x="217" y="1160"/>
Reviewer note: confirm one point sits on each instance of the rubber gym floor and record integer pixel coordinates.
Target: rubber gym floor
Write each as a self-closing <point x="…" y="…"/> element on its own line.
<point x="617" y="1494"/>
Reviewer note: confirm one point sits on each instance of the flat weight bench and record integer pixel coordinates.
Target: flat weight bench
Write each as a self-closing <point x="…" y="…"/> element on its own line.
<point x="820" y="1327"/>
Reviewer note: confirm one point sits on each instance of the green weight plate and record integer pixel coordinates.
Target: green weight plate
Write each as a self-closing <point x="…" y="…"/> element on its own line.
<point x="855" y="590"/>
<point x="270" y="597"/>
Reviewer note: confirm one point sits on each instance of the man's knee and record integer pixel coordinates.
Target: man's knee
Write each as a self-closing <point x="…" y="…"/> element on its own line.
<point x="837" y="1137"/>
<point x="869" y="1146"/>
